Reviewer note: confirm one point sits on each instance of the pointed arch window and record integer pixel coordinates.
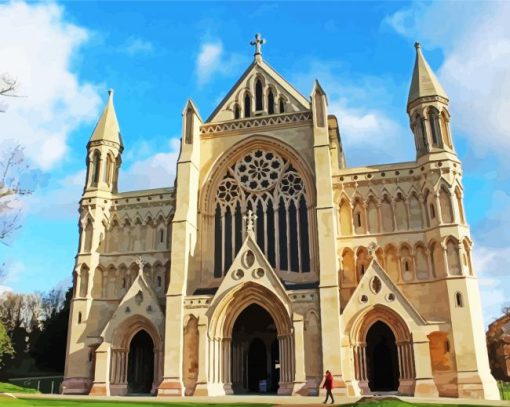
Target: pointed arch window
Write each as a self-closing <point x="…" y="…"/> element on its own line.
<point x="282" y="105"/>
<point x="435" y="128"/>
<point x="189" y="126"/>
<point x="109" y="170"/>
<point x="258" y="95"/>
<point x="237" y="112"/>
<point x="96" y="167"/>
<point x="267" y="184"/>
<point x="270" y="102"/>
<point x="247" y="105"/>
<point x="423" y="133"/>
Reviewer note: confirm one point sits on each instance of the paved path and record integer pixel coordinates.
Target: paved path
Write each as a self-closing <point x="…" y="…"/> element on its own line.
<point x="260" y="399"/>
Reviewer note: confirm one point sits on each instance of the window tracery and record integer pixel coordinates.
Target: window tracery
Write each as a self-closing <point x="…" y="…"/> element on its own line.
<point x="267" y="184"/>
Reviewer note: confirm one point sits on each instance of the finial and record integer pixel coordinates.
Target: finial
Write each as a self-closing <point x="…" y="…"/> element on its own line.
<point x="110" y="92"/>
<point x="259" y="41"/>
<point x="417" y="45"/>
<point x="250" y="219"/>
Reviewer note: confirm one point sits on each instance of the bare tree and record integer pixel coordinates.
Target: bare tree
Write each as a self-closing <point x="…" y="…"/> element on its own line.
<point x="8" y="88"/>
<point x="8" y="85"/>
<point x="15" y="182"/>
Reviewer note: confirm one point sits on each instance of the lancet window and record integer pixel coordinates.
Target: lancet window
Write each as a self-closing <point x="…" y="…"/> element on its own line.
<point x="267" y="184"/>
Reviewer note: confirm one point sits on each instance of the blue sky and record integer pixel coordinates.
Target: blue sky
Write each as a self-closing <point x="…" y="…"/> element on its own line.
<point x="157" y="55"/>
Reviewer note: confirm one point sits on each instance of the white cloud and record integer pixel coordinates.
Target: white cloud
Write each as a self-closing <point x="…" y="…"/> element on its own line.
<point x="156" y="171"/>
<point x="60" y="202"/>
<point x="136" y="46"/>
<point x="363" y="105"/>
<point x="475" y="73"/>
<point x="38" y="49"/>
<point x="491" y="265"/>
<point x="212" y="59"/>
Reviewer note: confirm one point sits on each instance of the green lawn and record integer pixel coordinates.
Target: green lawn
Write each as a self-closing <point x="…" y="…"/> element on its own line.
<point x="12" y="388"/>
<point x="27" y="402"/>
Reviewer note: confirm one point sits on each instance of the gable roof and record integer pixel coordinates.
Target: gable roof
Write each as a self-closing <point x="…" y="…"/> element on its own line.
<point x="241" y="272"/>
<point x="259" y="66"/>
<point x="400" y="304"/>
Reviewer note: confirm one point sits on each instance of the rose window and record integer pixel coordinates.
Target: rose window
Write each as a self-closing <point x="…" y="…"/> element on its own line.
<point x="267" y="184"/>
<point x="259" y="170"/>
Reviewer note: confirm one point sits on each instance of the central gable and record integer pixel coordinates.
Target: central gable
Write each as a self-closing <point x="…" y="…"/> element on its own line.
<point x="234" y="105"/>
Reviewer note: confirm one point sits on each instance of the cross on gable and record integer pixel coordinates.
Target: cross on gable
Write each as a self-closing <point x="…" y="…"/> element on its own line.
<point x="259" y="41"/>
<point x="140" y="262"/>
<point x="250" y="219"/>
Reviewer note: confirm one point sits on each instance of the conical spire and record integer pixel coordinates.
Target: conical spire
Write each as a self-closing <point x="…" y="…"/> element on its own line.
<point x="424" y="81"/>
<point x="107" y="128"/>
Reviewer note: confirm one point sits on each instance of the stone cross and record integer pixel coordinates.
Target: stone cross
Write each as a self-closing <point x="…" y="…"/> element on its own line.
<point x="372" y="247"/>
<point x="258" y="44"/>
<point x="140" y="262"/>
<point x="250" y="219"/>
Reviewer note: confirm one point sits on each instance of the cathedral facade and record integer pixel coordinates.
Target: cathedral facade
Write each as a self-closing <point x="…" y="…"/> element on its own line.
<point x="271" y="261"/>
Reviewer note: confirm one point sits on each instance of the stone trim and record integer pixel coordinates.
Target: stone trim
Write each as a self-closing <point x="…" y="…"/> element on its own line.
<point x="248" y="124"/>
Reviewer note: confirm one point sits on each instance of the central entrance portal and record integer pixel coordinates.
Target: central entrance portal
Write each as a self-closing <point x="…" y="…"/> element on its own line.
<point x="382" y="358"/>
<point x="255" y="352"/>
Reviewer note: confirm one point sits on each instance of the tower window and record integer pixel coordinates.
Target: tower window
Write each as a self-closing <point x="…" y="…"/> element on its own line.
<point x="459" y="300"/>
<point x="424" y="133"/>
<point x="406" y="265"/>
<point x="79" y="317"/>
<point x="161" y="236"/>
<point x="358" y="217"/>
<point x="159" y="281"/>
<point x="237" y="112"/>
<point x="362" y="269"/>
<point x="96" y="163"/>
<point x="258" y="96"/>
<point x="247" y="105"/>
<point x="282" y="105"/>
<point x="435" y="129"/>
<point x="270" y="102"/>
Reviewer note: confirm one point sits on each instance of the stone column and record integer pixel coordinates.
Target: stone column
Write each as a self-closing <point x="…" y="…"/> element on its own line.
<point x="101" y="385"/>
<point x="327" y="234"/>
<point x="417" y="356"/>
<point x="201" y="387"/>
<point x="299" y="355"/>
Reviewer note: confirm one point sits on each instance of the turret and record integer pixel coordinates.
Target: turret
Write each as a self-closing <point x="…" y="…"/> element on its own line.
<point x="427" y="107"/>
<point x="104" y="151"/>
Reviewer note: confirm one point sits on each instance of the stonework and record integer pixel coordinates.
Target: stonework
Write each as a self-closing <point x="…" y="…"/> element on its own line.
<point x="271" y="261"/>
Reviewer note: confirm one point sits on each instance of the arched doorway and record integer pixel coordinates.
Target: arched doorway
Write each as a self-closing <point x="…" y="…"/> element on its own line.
<point x="255" y="357"/>
<point x="382" y="358"/>
<point x="141" y="363"/>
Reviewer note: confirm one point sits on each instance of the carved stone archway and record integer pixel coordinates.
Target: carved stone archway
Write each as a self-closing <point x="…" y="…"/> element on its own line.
<point x="121" y="339"/>
<point x="222" y="320"/>
<point x="403" y="342"/>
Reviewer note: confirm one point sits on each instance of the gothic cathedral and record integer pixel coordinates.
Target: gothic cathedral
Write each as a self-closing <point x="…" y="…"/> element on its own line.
<point x="270" y="260"/>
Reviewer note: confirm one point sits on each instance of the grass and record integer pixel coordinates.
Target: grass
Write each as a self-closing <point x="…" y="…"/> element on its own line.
<point x="12" y="388"/>
<point x="28" y="402"/>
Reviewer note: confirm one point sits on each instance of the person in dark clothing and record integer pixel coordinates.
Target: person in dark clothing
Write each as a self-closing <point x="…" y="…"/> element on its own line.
<point x="328" y="385"/>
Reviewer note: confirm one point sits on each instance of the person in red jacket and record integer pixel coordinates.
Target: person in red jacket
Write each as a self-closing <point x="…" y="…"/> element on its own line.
<point x="328" y="385"/>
